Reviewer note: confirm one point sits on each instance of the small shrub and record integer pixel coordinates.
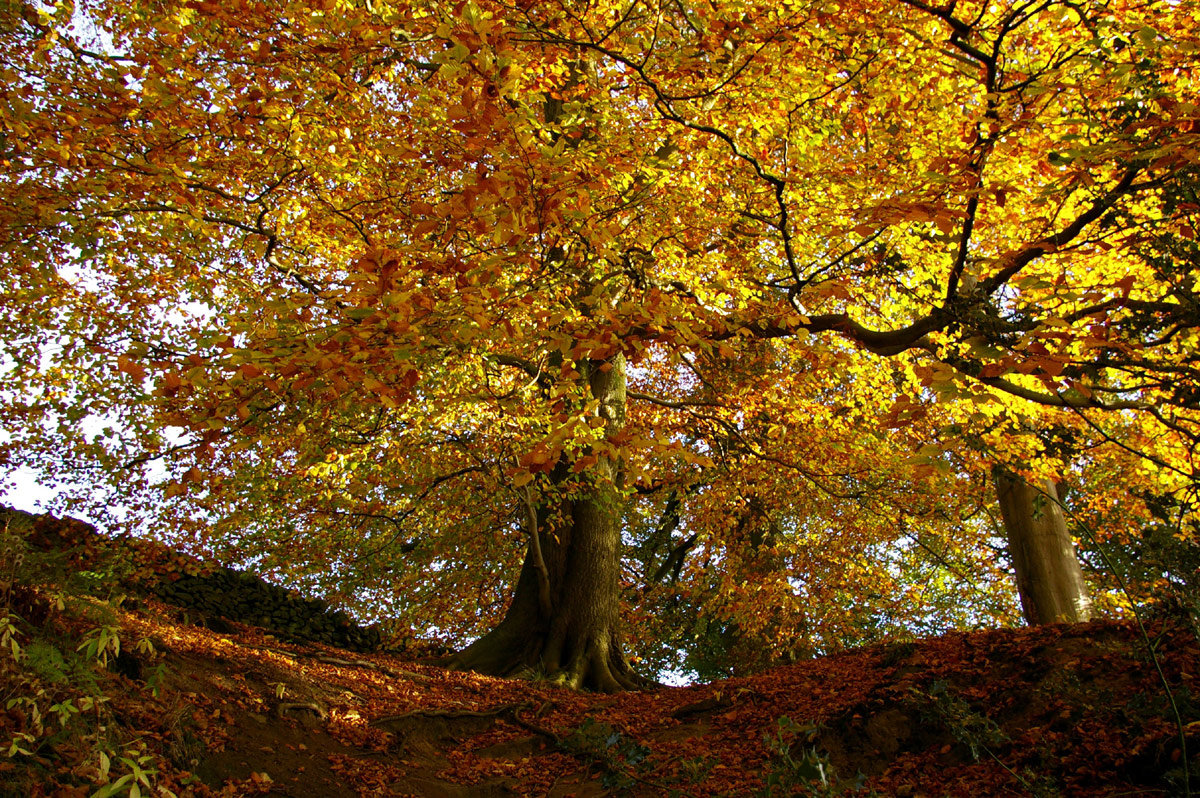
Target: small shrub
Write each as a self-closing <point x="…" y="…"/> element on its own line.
<point x="799" y="770"/>
<point x="620" y="758"/>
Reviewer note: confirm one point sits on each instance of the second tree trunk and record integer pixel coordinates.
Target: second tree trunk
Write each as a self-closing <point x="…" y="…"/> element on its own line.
<point x="1049" y="578"/>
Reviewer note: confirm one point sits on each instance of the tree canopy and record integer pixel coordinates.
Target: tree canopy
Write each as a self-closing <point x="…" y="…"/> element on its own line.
<point x="384" y="297"/>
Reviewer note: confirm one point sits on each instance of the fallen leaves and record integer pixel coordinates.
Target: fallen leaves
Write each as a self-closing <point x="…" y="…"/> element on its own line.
<point x="1059" y="701"/>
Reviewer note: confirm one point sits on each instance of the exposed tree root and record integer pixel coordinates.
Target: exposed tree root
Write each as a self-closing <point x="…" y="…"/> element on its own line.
<point x="350" y="663"/>
<point x="593" y="664"/>
<point x="384" y="721"/>
<point x="358" y="663"/>
<point x="285" y="708"/>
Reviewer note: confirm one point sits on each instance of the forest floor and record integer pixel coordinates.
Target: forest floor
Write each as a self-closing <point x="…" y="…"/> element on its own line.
<point x="186" y="710"/>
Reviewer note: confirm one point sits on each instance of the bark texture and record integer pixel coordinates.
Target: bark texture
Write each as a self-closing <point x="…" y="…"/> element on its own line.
<point x="1049" y="578"/>
<point x="574" y="636"/>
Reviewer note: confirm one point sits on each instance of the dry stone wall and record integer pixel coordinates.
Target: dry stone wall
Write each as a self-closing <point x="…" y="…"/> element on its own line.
<point x="244" y="597"/>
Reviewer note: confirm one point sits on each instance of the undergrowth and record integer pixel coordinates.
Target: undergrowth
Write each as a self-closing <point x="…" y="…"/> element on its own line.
<point x="796" y="766"/>
<point x="59" y="639"/>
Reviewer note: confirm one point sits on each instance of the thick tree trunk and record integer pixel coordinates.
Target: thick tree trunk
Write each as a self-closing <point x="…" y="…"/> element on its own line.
<point x="563" y="622"/>
<point x="1049" y="578"/>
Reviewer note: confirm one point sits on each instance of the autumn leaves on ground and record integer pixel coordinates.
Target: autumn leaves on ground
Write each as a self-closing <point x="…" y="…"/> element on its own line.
<point x="183" y="708"/>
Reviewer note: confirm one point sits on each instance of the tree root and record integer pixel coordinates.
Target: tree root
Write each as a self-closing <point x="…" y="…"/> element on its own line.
<point x="284" y="708"/>
<point x="350" y="663"/>
<point x="360" y="663"/>
<point x="592" y="665"/>
<point x="451" y="713"/>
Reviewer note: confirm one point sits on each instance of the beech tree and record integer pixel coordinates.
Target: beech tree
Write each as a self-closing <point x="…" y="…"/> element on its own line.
<point x="465" y="302"/>
<point x="1048" y="574"/>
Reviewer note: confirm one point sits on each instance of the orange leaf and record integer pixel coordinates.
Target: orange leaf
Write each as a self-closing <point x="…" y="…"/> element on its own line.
<point x="135" y="370"/>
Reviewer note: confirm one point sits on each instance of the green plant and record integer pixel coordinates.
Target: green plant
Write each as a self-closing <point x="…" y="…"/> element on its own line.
<point x="978" y="732"/>
<point x="137" y="763"/>
<point x="28" y="705"/>
<point x="19" y="740"/>
<point x="52" y="688"/>
<point x="9" y="633"/>
<point x="25" y="564"/>
<point x="47" y="662"/>
<point x="620" y="758"/>
<point x="695" y="770"/>
<point x="66" y="709"/>
<point x="790" y="773"/>
<point x="156" y="678"/>
<point x="101" y="643"/>
<point x="40" y="702"/>
<point x="1179" y="563"/>
<point x="12" y="557"/>
<point x="971" y="728"/>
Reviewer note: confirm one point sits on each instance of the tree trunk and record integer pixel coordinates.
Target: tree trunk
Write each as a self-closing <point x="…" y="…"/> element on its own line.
<point x="1049" y="578"/>
<point x="563" y="622"/>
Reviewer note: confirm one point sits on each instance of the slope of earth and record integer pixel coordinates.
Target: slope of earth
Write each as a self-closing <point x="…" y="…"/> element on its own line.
<point x="105" y="698"/>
